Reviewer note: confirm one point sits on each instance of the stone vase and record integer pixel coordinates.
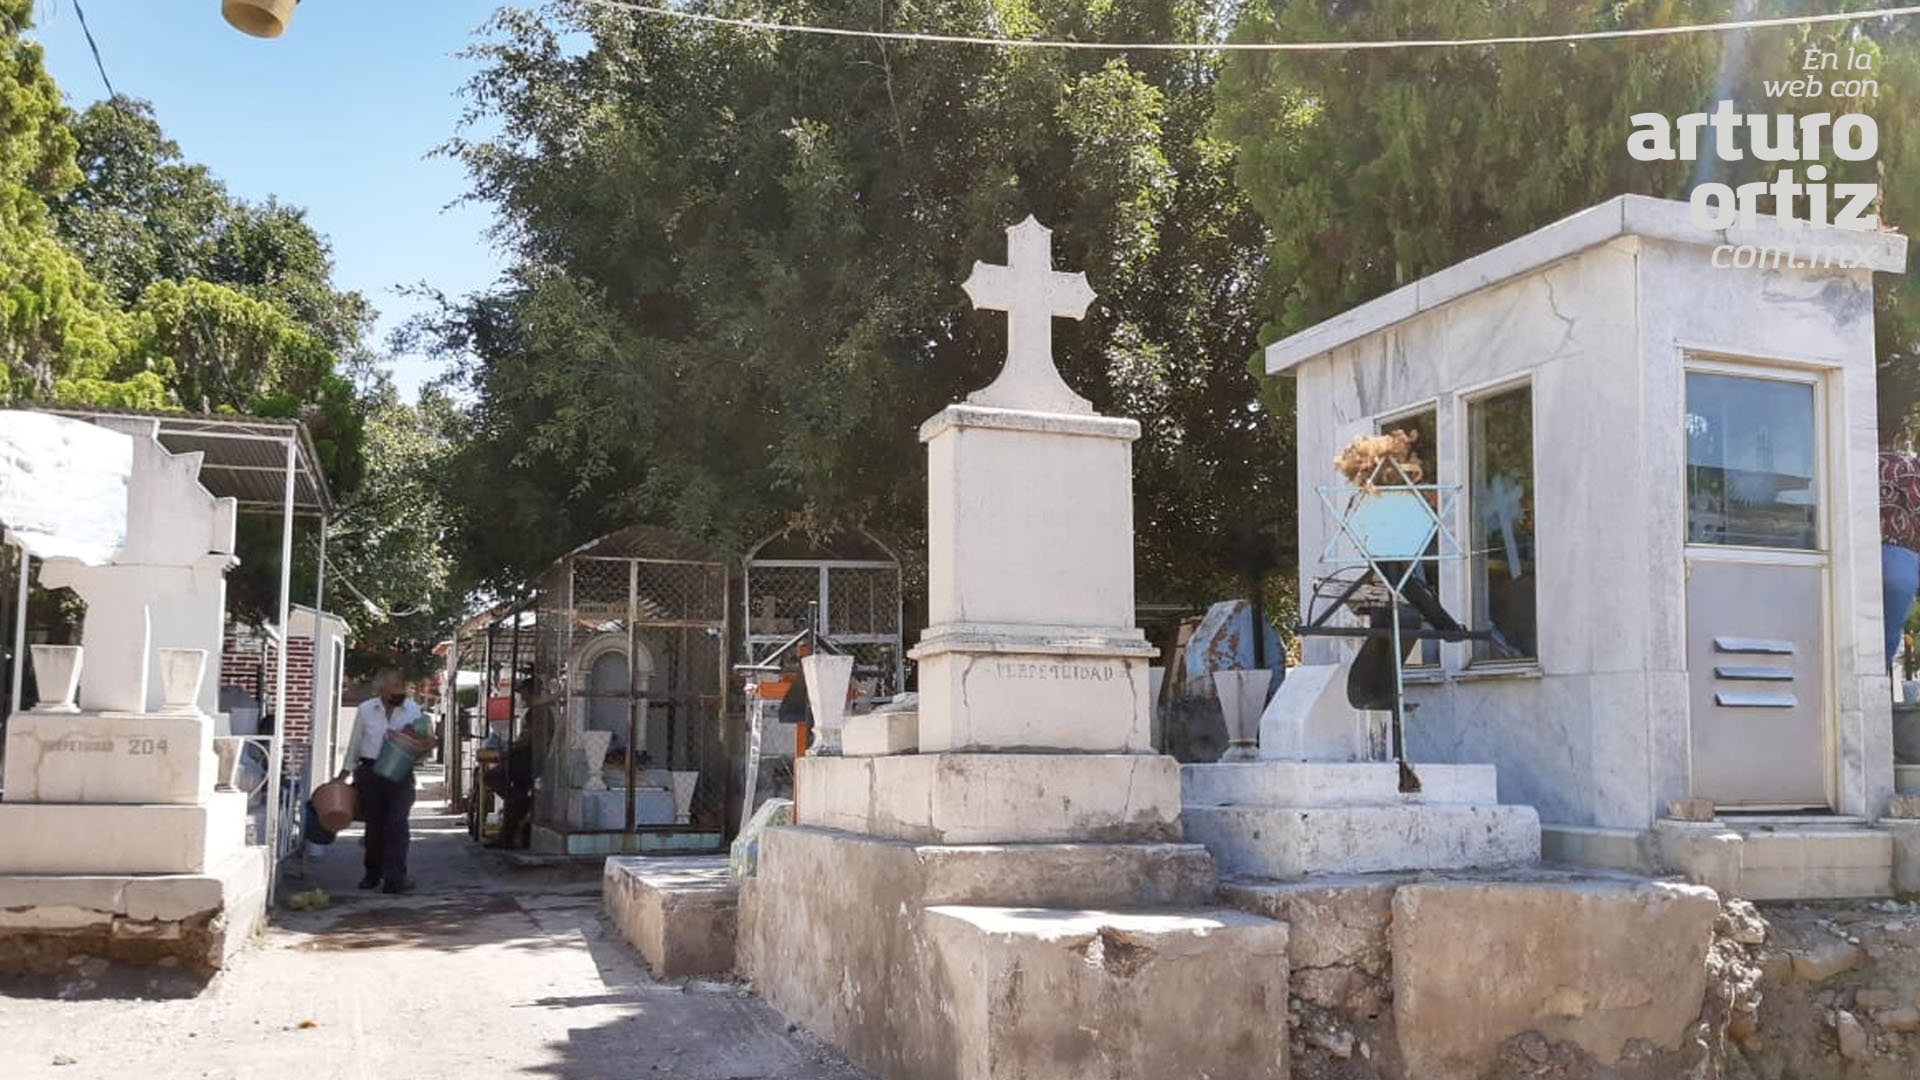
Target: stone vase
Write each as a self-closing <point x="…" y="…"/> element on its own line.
<point x="827" y="680"/>
<point x="1243" y="696"/>
<point x="181" y="671"/>
<point x="56" y="670"/>
<point x="594" y="745"/>
<point x="683" y="786"/>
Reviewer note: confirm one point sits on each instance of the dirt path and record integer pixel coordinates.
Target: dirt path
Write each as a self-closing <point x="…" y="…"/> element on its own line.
<point x="488" y="971"/>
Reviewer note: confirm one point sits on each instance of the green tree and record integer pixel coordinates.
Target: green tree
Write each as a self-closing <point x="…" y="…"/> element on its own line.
<point x="1374" y="168"/>
<point x="393" y="578"/>
<point x="59" y="330"/>
<point x="738" y="263"/>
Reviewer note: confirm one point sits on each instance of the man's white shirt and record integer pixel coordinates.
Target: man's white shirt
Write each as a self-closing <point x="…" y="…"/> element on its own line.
<point x="371" y="724"/>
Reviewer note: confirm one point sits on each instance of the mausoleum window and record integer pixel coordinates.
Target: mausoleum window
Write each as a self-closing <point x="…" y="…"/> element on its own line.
<point x="1751" y="462"/>
<point x="1501" y="569"/>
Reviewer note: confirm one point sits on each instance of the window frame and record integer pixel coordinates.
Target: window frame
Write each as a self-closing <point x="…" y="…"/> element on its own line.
<point x="1465" y="401"/>
<point x="1816" y="379"/>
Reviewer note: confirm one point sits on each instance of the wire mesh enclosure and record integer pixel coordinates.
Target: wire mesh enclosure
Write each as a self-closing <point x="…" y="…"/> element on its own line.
<point x="855" y="580"/>
<point x="629" y="657"/>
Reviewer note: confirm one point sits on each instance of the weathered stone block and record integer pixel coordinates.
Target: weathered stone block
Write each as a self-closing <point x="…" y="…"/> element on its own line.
<point x="1324" y="783"/>
<point x="109" y="758"/>
<point x="1605" y="962"/>
<point x="1690" y="809"/>
<point x="201" y="920"/>
<point x="878" y="734"/>
<point x="679" y="914"/>
<point x="844" y="952"/>
<point x="1338" y="950"/>
<point x="993" y="798"/>
<point x="1042" y="994"/>
<point x="1285" y="842"/>
<point x="1707" y="853"/>
<point x="1906" y="853"/>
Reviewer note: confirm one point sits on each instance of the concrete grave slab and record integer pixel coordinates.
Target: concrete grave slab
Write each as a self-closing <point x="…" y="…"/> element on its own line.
<point x="678" y="913"/>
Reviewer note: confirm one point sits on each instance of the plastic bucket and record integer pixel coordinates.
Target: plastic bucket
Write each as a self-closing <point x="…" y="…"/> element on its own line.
<point x="333" y="805"/>
<point x="395" y="761"/>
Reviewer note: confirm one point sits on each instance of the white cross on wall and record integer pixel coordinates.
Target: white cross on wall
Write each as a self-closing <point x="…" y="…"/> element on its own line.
<point x="1033" y="294"/>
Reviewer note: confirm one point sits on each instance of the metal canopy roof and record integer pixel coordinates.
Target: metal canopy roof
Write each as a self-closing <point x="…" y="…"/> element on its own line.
<point x="245" y="457"/>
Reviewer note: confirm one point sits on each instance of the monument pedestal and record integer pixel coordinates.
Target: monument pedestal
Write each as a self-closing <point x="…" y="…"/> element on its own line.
<point x="1288" y="819"/>
<point x="993" y="798"/>
<point x="1014" y="962"/>
<point x="1010" y="903"/>
<point x="109" y="757"/>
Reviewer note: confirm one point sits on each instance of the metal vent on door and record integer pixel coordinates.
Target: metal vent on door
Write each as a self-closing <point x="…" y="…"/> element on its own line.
<point x="1738" y="697"/>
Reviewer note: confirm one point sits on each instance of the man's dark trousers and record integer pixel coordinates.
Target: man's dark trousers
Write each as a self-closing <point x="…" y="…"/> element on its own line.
<point x="386" y="804"/>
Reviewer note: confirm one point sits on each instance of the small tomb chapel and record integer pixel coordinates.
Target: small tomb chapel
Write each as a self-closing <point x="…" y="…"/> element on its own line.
<point x="1664" y="440"/>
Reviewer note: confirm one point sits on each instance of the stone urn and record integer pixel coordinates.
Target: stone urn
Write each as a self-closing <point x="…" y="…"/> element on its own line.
<point x="827" y="680"/>
<point x="684" y="784"/>
<point x="593" y="744"/>
<point x="181" y="671"/>
<point x="56" y="670"/>
<point x="1243" y="697"/>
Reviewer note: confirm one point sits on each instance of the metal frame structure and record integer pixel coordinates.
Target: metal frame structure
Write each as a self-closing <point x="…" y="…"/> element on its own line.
<point x="264" y="465"/>
<point x="838" y="559"/>
<point x="1386" y="528"/>
<point x="662" y="602"/>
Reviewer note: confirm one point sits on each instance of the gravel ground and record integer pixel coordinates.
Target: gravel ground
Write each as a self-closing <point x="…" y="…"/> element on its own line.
<point x="489" y="970"/>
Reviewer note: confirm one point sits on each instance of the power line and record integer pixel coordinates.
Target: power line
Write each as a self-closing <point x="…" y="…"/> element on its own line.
<point x="98" y="64"/>
<point x="1257" y="46"/>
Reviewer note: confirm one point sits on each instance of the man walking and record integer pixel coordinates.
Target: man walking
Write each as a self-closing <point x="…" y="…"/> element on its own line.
<point x="384" y="803"/>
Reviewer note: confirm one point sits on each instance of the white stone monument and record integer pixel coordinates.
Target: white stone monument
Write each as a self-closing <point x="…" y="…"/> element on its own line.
<point x="1031" y="666"/>
<point x="155" y="613"/>
<point x="118" y="786"/>
<point x="1032" y="833"/>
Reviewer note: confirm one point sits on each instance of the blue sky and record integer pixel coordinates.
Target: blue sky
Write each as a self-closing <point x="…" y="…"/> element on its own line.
<point x="337" y="116"/>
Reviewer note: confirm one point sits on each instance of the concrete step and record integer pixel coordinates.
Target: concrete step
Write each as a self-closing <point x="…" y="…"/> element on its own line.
<point x="87" y="838"/>
<point x="1329" y="783"/>
<point x="1803" y="863"/>
<point x="199" y="919"/>
<point x="1088" y="995"/>
<point x="1780" y="859"/>
<point x="1290" y="842"/>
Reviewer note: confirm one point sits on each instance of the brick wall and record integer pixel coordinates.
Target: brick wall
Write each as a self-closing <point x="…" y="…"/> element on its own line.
<point x="247" y="660"/>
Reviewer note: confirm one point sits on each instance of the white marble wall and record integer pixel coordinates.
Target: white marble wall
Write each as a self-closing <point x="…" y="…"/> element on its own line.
<point x="1596" y="732"/>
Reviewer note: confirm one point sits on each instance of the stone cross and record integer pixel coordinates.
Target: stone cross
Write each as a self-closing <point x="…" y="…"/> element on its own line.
<point x="1033" y="294"/>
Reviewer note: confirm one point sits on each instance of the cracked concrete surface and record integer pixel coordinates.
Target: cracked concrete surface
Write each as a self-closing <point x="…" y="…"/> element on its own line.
<point x="489" y="970"/>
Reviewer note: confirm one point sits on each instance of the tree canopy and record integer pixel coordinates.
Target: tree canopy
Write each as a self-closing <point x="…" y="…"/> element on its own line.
<point x="130" y="277"/>
<point x="1375" y="168"/>
<point x="735" y="293"/>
